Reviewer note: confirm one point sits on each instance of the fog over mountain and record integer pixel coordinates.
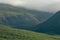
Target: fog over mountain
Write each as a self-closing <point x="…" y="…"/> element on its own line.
<point x="42" y="5"/>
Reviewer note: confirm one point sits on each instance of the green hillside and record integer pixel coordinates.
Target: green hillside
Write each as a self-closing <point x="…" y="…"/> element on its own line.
<point x="20" y="17"/>
<point x="7" y="33"/>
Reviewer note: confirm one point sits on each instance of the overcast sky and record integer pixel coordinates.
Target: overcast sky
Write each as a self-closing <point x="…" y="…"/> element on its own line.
<point x="43" y="5"/>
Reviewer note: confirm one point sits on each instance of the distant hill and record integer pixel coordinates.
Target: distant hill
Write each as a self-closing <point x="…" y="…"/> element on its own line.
<point x="7" y="33"/>
<point x="51" y="26"/>
<point x="20" y="17"/>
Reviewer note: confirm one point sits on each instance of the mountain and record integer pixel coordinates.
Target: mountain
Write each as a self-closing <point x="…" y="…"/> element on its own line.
<point x="20" y="17"/>
<point x="51" y="26"/>
<point x="8" y="33"/>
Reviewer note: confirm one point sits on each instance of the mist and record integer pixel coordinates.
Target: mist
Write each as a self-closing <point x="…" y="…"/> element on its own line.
<point x="41" y="5"/>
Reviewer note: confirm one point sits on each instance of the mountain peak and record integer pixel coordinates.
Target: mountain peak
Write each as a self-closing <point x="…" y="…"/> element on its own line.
<point x="51" y="26"/>
<point x="58" y="11"/>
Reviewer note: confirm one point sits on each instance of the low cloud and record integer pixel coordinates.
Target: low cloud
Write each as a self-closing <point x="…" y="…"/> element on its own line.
<point x="43" y="5"/>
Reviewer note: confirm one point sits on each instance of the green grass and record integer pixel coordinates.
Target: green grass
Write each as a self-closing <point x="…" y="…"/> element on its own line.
<point x="7" y="33"/>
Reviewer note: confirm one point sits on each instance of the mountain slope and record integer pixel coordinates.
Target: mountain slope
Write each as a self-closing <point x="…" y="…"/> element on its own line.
<point x="7" y="33"/>
<point x="20" y="17"/>
<point x="51" y="26"/>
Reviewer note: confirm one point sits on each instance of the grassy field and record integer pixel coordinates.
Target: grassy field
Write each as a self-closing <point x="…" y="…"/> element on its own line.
<point x="7" y="33"/>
